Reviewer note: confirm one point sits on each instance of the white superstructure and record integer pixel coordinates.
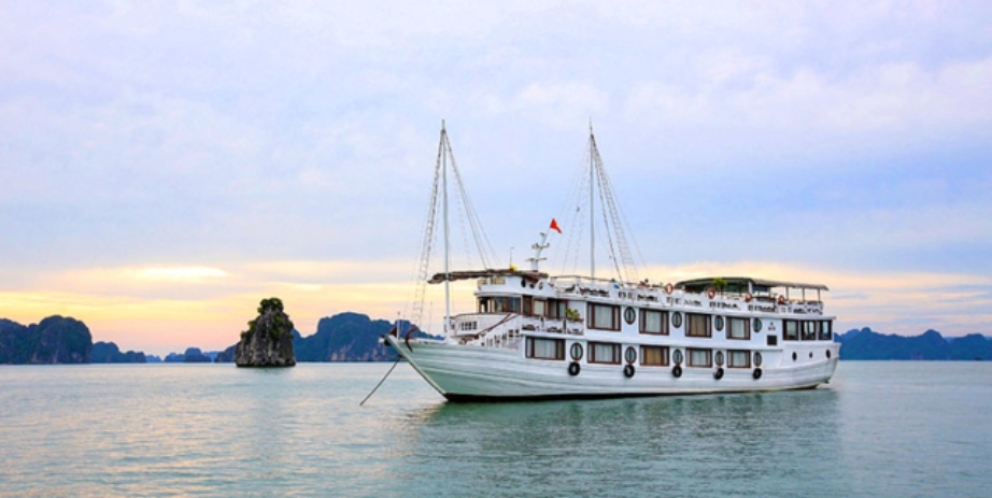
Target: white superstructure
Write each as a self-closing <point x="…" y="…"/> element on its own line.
<point x="535" y="336"/>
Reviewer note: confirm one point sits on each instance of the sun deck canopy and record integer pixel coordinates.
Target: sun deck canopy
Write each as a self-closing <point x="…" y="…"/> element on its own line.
<point x="741" y="284"/>
<point x="529" y="276"/>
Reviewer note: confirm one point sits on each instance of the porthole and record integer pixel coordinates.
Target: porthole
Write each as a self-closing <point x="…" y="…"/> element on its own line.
<point x="629" y="315"/>
<point x="576" y="351"/>
<point x="828" y="354"/>
<point x="718" y="358"/>
<point x="718" y="322"/>
<point x="794" y="357"/>
<point x="523" y="283"/>
<point x="677" y="356"/>
<point x="757" y="359"/>
<point x="757" y="325"/>
<point x="677" y="319"/>
<point x="630" y="355"/>
<point x="810" y="354"/>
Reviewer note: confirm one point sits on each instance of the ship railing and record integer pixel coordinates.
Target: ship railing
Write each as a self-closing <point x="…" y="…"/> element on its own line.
<point x="648" y="293"/>
<point x="474" y="324"/>
<point x="607" y="288"/>
<point x="552" y="325"/>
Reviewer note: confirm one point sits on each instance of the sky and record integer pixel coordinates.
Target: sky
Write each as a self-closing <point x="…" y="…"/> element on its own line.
<point x="166" y="165"/>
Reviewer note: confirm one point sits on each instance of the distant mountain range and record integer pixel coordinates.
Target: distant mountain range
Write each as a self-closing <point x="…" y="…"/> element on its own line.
<point x="342" y="337"/>
<point x="866" y="344"/>
<point x="355" y="337"/>
<point x="54" y="340"/>
<point x="108" y="352"/>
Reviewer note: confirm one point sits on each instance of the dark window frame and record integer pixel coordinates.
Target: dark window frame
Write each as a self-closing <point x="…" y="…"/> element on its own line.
<point x="709" y="357"/>
<point x="614" y="317"/>
<point x="617" y="356"/>
<point x="785" y="330"/>
<point x="664" y="322"/>
<point x="747" y="328"/>
<point x="688" y="325"/>
<point x="559" y="349"/>
<point x="666" y="355"/>
<point x="810" y="330"/>
<point x="826" y="330"/>
<point x="551" y="309"/>
<point x="730" y="355"/>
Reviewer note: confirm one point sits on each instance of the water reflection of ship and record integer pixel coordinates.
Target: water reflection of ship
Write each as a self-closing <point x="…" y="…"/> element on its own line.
<point x="631" y="446"/>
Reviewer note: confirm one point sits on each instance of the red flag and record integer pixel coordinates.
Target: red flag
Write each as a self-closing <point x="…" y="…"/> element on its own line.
<point x="554" y="225"/>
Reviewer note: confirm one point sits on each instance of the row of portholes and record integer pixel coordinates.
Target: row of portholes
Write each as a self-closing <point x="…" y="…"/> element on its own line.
<point x="796" y="356"/>
<point x="630" y="316"/>
<point x="630" y="355"/>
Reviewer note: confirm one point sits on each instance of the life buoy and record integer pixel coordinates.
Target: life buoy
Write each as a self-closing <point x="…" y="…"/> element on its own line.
<point x="756" y="374"/>
<point x="748" y="297"/>
<point x="718" y="374"/>
<point x="574" y="369"/>
<point x="677" y="371"/>
<point x="711" y="293"/>
<point x="669" y="288"/>
<point x="781" y="300"/>
<point x="628" y="371"/>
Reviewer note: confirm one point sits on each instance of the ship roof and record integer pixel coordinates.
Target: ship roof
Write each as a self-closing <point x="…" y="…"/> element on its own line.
<point x="743" y="281"/>
<point x="530" y="276"/>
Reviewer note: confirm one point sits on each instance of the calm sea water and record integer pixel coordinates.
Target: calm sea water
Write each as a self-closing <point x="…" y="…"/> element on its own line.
<point x="879" y="429"/>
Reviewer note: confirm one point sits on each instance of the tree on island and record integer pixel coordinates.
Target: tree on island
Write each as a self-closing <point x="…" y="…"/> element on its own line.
<point x="268" y="342"/>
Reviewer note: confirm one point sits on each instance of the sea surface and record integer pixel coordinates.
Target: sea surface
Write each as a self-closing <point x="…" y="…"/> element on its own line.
<point x="878" y="429"/>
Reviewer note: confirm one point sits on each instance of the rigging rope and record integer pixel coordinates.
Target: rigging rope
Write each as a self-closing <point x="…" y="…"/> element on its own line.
<point x="376" y="388"/>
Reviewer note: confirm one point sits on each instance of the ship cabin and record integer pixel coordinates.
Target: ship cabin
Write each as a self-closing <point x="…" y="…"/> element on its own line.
<point x="724" y="312"/>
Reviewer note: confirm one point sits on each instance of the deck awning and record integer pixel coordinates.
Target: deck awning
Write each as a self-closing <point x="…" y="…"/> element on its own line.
<point x="742" y="282"/>
<point x="529" y="276"/>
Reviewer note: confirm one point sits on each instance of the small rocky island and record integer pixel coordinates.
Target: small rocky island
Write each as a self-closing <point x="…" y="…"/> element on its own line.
<point x="268" y="342"/>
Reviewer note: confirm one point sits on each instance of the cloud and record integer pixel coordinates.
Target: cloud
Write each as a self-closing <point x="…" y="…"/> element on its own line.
<point x="291" y="146"/>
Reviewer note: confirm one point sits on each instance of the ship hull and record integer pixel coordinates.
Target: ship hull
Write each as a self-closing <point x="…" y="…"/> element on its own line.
<point x="473" y="373"/>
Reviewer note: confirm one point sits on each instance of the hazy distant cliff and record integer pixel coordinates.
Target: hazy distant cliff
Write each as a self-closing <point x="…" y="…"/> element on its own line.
<point x="108" y="352"/>
<point x="344" y="337"/>
<point x="866" y="344"/>
<point x="55" y="339"/>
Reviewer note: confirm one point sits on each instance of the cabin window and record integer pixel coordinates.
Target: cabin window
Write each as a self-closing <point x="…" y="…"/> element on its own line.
<point x="545" y="349"/>
<point x="469" y="326"/>
<point x="654" y="322"/>
<point x="604" y="352"/>
<point x="738" y="328"/>
<point x="772" y="340"/>
<point x="556" y="309"/>
<point x="499" y="305"/>
<point x="738" y="359"/>
<point x="528" y="304"/>
<point x="790" y="330"/>
<point x="698" y="325"/>
<point x="700" y="358"/>
<point x="826" y="330"/>
<point x="604" y="317"/>
<point x="654" y="356"/>
<point x="539" y="307"/>
<point x="810" y="329"/>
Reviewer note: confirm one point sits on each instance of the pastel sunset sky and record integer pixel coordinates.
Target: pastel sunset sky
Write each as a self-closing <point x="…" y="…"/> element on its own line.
<point x="166" y="165"/>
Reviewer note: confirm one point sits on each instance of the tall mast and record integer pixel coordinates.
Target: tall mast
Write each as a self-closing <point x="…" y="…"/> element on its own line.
<point x="447" y="248"/>
<point x="592" y="204"/>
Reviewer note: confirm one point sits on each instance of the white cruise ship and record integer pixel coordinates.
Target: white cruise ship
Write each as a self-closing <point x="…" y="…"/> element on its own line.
<point x="536" y="336"/>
